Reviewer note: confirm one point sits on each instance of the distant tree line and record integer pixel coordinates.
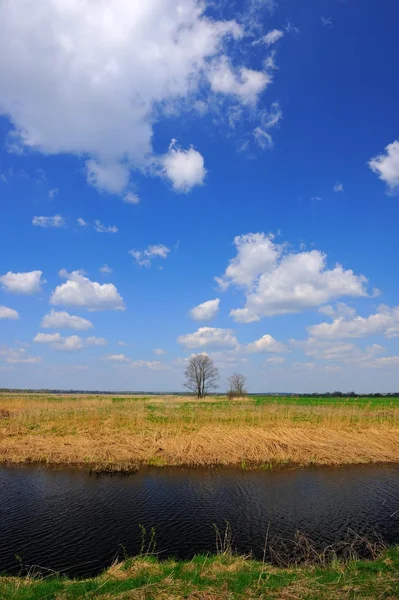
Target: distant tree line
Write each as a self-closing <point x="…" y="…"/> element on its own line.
<point x="236" y="388"/>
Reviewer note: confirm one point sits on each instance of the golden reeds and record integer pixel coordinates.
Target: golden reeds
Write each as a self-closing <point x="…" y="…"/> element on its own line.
<point x="106" y="432"/>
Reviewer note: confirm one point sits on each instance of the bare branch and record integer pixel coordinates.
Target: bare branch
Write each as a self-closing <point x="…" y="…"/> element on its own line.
<point x="201" y="375"/>
<point x="237" y="383"/>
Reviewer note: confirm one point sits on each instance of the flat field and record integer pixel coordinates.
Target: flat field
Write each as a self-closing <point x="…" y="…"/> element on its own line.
<point x="123" y="433"/>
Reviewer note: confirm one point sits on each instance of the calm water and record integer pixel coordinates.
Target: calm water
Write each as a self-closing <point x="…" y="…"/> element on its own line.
<point x="78" y="523"/>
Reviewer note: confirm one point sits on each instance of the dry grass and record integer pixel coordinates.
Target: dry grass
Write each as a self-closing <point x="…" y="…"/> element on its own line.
<point x="122" y="433"/>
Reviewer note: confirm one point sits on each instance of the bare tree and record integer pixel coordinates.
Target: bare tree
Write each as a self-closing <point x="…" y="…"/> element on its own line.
<point x="201" y="375"/>
<point x="237" y="383"/>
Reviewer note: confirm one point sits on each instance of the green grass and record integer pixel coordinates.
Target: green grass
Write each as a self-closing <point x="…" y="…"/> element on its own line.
<point x="360" y="402"/>
<point x="219" y="577"/>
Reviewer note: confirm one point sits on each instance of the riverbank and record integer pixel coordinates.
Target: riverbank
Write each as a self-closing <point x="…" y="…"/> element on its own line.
<point x="223" y="577"/>
<point x="106" y="433"/>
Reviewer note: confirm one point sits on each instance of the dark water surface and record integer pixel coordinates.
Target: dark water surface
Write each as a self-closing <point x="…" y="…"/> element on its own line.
<point x="77" y="523"/>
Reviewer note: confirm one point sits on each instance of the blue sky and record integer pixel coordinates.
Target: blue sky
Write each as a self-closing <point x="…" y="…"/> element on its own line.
<point x="179" y="177"/>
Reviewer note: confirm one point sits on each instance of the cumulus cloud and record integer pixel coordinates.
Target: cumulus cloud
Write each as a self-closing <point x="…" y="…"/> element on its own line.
<point x="47" y="222"/>
<point x="81" y="222"/>
<point x="272" y="37"/>
<point x="386" y="165"/>
<point x="209" y="337"/>
<point x="275" y="360"/>
<point x="96" y="341"/>
<point x="116" y="358"/>
<point x="348" y="353"/>
<point x="100" y="228"/>
<point x="71" y="343"/>
<point x="385" y="361"/>
<point x="159" y="351"/>
<point x="14" y="356"/>
<point x="109" y="177"/>
<point x="205" y="311"/>
<point x="105" y="270"/>
<point x="184" y="168"/>
<point x="79" y="290"/>
<point x="145" y="257"/>
<point x="277" y="281"/>
<point x="266" y="343"/>
<point x="245" y="84"/>
<point x="131" y="198"/>
<point x="8" y="313"/>
<point x="93" y="78"/>
<point x="63" y="320"/>
<point x="346" y="325"/>
<point x="154" y="365"/>
<point x="339" y="310"/>
<point x="23" y="283"/>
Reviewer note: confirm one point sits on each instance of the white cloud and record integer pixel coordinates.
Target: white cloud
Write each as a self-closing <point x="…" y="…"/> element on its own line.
<point x="78" y="290"/>
<point x="209" y="337"/>
<point x="384" y="322"/>
<point x="14" y="356"/>
<point x="116" y="358"/>
<point x="205" y="311"/>
<point x="245" y="84"/>
<point x="304" y="366"/>
<point x="8" y="313"/>
<point x="145" y="257"/>
<point x="386" y="165"/>
<point x="326" y="350"/>
<point x="70" y="343"/>
<point x="121" y="343"/>
<point x="275" y="360"/>
<point x="131" y="198"/>
<point x="340" y="310"/>
<point x="159" y="351"/>
<point x="273" y="36"/>
<point x="263" y="138"/>
<point x="63" y="320"/>
<point x="105" y="270"/>
<point x="96" y="341"/>
<point x="81" y="222"/>
<point x="52" y="193"/>
<point x="385" y="361"/>
<point x="266" y="343"/>
<point x="375" y="349"/>
<point x="155" y="365"/>
<point x="338" y="187"/>
<point x="243" y="315"/>
<point x="46" y="222"/>
<point x="47" y="338"/>
<point x="277" y="281"/>
<point x="100" y="228"/>
<point x="23" y="283"/>
<point x="93" y="78"/>
<point x="111" y="177"/>
<point x="184" y="168"/>
<point x="291" y="28"/>
<point x="270" y="62"/>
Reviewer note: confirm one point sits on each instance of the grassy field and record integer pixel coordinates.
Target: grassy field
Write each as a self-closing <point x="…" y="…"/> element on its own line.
<point x="122" y="433"/>
<point x="223" y="577"/>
